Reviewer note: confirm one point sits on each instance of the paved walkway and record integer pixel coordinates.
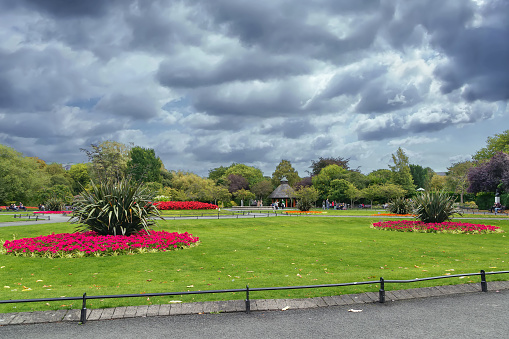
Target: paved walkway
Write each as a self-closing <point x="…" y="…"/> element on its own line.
<point x="355" y="300"/>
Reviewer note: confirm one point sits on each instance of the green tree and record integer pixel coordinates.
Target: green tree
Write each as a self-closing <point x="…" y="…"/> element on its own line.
<point x="380" y="176"/>
<point x="80" y="175"/>
<point x="456" y="179"/>
<point x="421" y="176"/>
<point x="358" y="179"/>
<point x="339" y="190"/>
<point x="306" y="198"/>
<point x="262" y="189"/>
<point x="244" y="196"/>
<point x="20" y="177"/>
<point x="285" y="169"/>
<point x="109" y="160"/>
<point x="437" y="183"/>
<point x="401" y="172"/>
<point x="218" y="174"/>
<point x="494" y="144"/>
<point x="322" y="181"/>
<point x="143" y="165"/>
<point x="251" y="174"/>
<point x="317" y="166"/>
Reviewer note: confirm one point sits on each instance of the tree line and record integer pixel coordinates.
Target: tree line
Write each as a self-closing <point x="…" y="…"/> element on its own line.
<point x="32" y="181"/>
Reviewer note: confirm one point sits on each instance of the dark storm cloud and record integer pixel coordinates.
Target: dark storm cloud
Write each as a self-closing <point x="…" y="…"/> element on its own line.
<point x="290" y="128"/>
<point x="33" y="80"/>
<point x="245" y="154"/>
<point x="381" y="98"/>
<point x="70" y="8"/>
<point x="282" y="100"/>
<point x="251" y="66"/>
<point x="137" y="106"/>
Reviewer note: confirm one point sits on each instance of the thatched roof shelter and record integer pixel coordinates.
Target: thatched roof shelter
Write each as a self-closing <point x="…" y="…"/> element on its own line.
<point x="284" y="192"/>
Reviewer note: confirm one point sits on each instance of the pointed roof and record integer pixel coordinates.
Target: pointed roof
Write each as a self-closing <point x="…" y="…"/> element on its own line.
<point x="283" y="191"/>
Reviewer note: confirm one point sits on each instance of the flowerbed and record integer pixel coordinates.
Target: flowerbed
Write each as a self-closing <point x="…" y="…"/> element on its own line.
<point x="70" y="245"/>
<point x="184" y="205"/>
<point x="445" y="227"/>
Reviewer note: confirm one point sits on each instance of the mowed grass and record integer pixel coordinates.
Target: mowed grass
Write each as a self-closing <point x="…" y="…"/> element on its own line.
<point x="261" y="252"/>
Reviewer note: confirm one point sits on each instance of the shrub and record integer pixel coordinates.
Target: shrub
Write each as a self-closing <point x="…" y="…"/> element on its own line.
<point x="434" y="207"/>
<point x="306" y="198"/>
<point x="54" y="204"/>
<point x="115" y="207"/>
<point x="400" y="206"/>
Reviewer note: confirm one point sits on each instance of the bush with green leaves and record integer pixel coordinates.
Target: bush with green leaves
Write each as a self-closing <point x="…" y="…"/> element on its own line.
<point x="54" y="204"/>
<point x="434" y="207"/>
<point x="115" y="207"/>
<point x="306" y="198"/>
<point x="400" y="206"/>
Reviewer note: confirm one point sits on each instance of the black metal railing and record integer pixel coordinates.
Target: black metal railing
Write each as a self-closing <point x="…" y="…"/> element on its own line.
<point x="247" y="290"/>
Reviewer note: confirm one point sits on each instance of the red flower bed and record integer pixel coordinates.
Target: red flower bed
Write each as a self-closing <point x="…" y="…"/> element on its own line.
<point x="444" y="227"/>
<point x="92" y="244"/>
<point x="184" y="205"/>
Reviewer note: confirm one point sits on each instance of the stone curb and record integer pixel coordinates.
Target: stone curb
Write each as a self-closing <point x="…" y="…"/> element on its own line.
<point x="211" y="307"/>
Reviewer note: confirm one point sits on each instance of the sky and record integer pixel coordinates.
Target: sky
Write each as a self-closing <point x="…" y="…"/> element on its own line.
<point x="209" y="83"/>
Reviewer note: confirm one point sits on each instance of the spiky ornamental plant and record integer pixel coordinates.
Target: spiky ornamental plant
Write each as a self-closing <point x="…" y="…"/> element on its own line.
<point x="400" y="206"/>
<point x="115" y="207"/>
<point x="434" y="207"/>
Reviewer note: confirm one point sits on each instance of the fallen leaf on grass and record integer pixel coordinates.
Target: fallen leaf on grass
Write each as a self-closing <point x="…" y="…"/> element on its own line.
<point x="7" y="286"/>
<point x="175" y="301"/>
<point x="38" y="280"/>
<point x="451" y="270"/>
<point x="190" y="286"/>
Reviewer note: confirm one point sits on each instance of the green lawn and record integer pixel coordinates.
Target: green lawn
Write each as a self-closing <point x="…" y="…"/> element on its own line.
<point x="262" y="252"/>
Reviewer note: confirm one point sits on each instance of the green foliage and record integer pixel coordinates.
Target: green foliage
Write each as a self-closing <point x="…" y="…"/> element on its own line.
<point x="401" y="174"/>
<point x="306" y="198"/>
<point x="434" y="207"/>
<point x="494" y="144"/>
<point x="400" y="206"/>
<point x="60" y="193"/>
<point x="285" y="169"/>
<point x="322" y="181"/>
<point x="143" y="165"/>
<point x="317" y="166"/>
<point x="115" y="207"/>
<point x="339" y="190"/>
<point x="457" y="177"/>
<point x="54" y="204"/>
<point x="382" y="193"/>
<point x="485" y="200"/>
<point x="109" y="160"/>
<point x="244" y="195"/>
<point x="380" y="176"/>
<point x="262" y="189"/>
<point x="421" y="176"/>
<point x="20" y="177"/>
<point x="252" y="174"/>
<point x="80" y="175"/>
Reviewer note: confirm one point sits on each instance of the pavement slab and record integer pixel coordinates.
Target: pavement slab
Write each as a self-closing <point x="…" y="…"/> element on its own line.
<point x="95" y="314"/>
<point x="164" y="310"/>
<point x="142" y="311"/>
<point x="153" y="310"/>
<point x="130" y="312"/>
<point x="119" y="312"/>
<point x="107" y="313"/>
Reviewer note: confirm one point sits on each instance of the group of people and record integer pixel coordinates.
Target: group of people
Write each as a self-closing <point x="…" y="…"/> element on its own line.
<point x="15" y="208"/>
<point x="496" y="208"/>
<point x="276" y="205"/>
<point x="333" y="205"/>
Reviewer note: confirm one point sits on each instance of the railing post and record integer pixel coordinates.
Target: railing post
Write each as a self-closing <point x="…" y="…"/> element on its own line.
<point x="484" y="284"/>
<point x="248" y="302"/>
<point x="83" y="317"/>
<point x="381" y="292"/>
